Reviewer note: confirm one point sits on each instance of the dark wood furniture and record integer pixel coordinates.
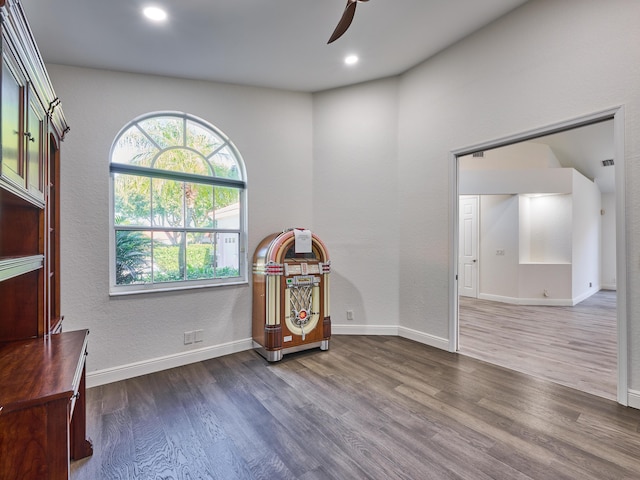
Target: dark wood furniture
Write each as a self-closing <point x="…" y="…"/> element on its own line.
<point x="43" y="386"/>
<point x="41" y="370"/>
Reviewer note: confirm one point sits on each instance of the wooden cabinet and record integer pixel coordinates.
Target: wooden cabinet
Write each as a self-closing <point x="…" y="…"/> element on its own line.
<point x="41" y="370"/>
<point x="12" y="92"/>
<point x="33" y="125"/>
<point x="23" y="120"/>
<point x="34" y="150"/>
<point x="43" y="387"/>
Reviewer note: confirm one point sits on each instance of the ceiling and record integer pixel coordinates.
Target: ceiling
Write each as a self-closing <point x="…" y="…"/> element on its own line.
<point x="584" y="149"/>
<point x="270" y="43"/>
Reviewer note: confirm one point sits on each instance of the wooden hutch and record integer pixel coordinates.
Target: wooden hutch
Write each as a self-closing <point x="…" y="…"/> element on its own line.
<point x="42" y="370"/>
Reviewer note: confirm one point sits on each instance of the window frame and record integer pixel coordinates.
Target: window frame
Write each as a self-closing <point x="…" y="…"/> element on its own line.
<point x="127" y="169"/>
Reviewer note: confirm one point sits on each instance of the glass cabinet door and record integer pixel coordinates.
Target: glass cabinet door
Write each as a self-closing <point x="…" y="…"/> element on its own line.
<point x="12" y="167"/>
<point x="34" y="150"/>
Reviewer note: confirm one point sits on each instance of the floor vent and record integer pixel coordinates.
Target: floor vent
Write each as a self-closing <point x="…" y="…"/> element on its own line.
<point x="607" y="163"/>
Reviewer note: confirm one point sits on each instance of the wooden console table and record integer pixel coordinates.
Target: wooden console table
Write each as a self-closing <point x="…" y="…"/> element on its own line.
<point x="42" y="406"/>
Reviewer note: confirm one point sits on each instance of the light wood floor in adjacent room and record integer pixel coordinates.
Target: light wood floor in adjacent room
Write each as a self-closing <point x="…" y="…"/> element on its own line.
<point x="574" y="346"/>
<point x="369" y="408"/>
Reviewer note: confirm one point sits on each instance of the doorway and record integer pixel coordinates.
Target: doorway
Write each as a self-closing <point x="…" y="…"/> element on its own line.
<point x="468" y="267"/>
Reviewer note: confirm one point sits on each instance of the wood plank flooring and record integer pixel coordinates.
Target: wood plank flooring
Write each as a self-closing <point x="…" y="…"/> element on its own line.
<point x="574" y="346"/>
<point x="369" y="408"/>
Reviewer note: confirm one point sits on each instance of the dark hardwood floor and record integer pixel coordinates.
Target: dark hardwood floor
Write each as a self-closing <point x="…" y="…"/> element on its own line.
<point x="369" y="408"/>
<point x="574" y="346"/>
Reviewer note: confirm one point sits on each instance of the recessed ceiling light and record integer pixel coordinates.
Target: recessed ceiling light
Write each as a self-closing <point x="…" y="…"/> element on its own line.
<point x="351" y="59"/>
<point x="155" y="13"/>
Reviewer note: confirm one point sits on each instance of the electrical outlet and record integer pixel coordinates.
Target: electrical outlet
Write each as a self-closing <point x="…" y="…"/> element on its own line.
<point x="188" y="338"/>
<point x="198" y="336"/>
<point x="350" y="315"/>
<point x="500" y="251"/>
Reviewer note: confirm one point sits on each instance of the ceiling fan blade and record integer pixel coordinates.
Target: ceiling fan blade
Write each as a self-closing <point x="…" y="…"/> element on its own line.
<point x="345" y="21"/>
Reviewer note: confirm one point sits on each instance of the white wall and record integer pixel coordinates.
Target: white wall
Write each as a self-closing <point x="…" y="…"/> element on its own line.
<point x="554" y="278"/>
<point x="532" y="180"/>
<point x="546" y="232"/>
<point x="544" y="63"/>
<point x="550" y="227"/>
<point x="535" y="235"/>
<point x="518" y="156"/>
<point x="272" y="130"/>
<point x="608" y="244"/>
<point x="586" y="238"/>
<point x="355" y="202"/>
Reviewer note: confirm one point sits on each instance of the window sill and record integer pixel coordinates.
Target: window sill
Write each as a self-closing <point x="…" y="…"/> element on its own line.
<point x="140" y="289"/>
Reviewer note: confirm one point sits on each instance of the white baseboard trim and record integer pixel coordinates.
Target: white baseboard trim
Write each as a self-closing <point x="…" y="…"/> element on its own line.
<point x="607" y="286"/>
<point x="424" y="338"/>
<point x="633" y="398"/>
<point x="364" y="329"/>
<point x="123" y="372"/>
<point x="393" y="330"/>
<point x="586" y="295"/>
<point x="556" y="302"/>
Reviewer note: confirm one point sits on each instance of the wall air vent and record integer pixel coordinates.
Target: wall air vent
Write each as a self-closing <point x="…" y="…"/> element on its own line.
<point x="478" y="154"/>
<point x="607" y="163"/>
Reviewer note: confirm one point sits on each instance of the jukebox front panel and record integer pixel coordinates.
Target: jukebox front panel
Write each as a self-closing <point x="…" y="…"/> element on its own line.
<point x="302" y="304"/>
<point x="291" y="301"/>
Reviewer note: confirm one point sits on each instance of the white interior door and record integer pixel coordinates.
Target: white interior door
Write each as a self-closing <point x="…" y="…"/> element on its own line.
<point x="468" y="248"/>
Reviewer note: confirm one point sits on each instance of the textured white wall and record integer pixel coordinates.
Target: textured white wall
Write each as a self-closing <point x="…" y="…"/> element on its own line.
<point x="608" y="245"/>
<point x="547" y="62"/>
<point x="272" y="130"/>
<point x="550" y="219"/>
<point x="355" y="199"/>
<point x="586" y="239"/>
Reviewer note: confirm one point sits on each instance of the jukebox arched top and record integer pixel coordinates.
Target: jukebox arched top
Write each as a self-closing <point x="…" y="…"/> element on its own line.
<point x="282" y="246"/>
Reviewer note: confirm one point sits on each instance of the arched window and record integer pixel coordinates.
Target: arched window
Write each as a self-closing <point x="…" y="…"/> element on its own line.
<point x="178" y="206"/>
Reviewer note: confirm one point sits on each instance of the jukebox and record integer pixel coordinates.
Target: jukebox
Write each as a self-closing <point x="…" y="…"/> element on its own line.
<point x="290" y="294"/>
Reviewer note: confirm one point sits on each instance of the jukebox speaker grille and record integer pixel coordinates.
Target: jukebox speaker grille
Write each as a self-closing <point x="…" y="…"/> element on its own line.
<point x="301" y="306"/>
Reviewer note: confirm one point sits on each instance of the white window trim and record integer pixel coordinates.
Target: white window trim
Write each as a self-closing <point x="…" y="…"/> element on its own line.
<point x="134" y="289"/>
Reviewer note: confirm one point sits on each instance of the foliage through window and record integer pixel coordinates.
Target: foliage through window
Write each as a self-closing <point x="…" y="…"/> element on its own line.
<point x="178" y="205"/>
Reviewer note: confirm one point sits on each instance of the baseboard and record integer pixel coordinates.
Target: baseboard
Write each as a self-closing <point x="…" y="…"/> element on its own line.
<point x="424" y="338"/>
<point x="585" y="295"/>
<point x="404" y="332"/>
<point x="342" y="329"/>
<point x="633" y="398"/>
<point x="607" y="286"/>
<point x="555" y="302"/>
<point x="123" y="372"/>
